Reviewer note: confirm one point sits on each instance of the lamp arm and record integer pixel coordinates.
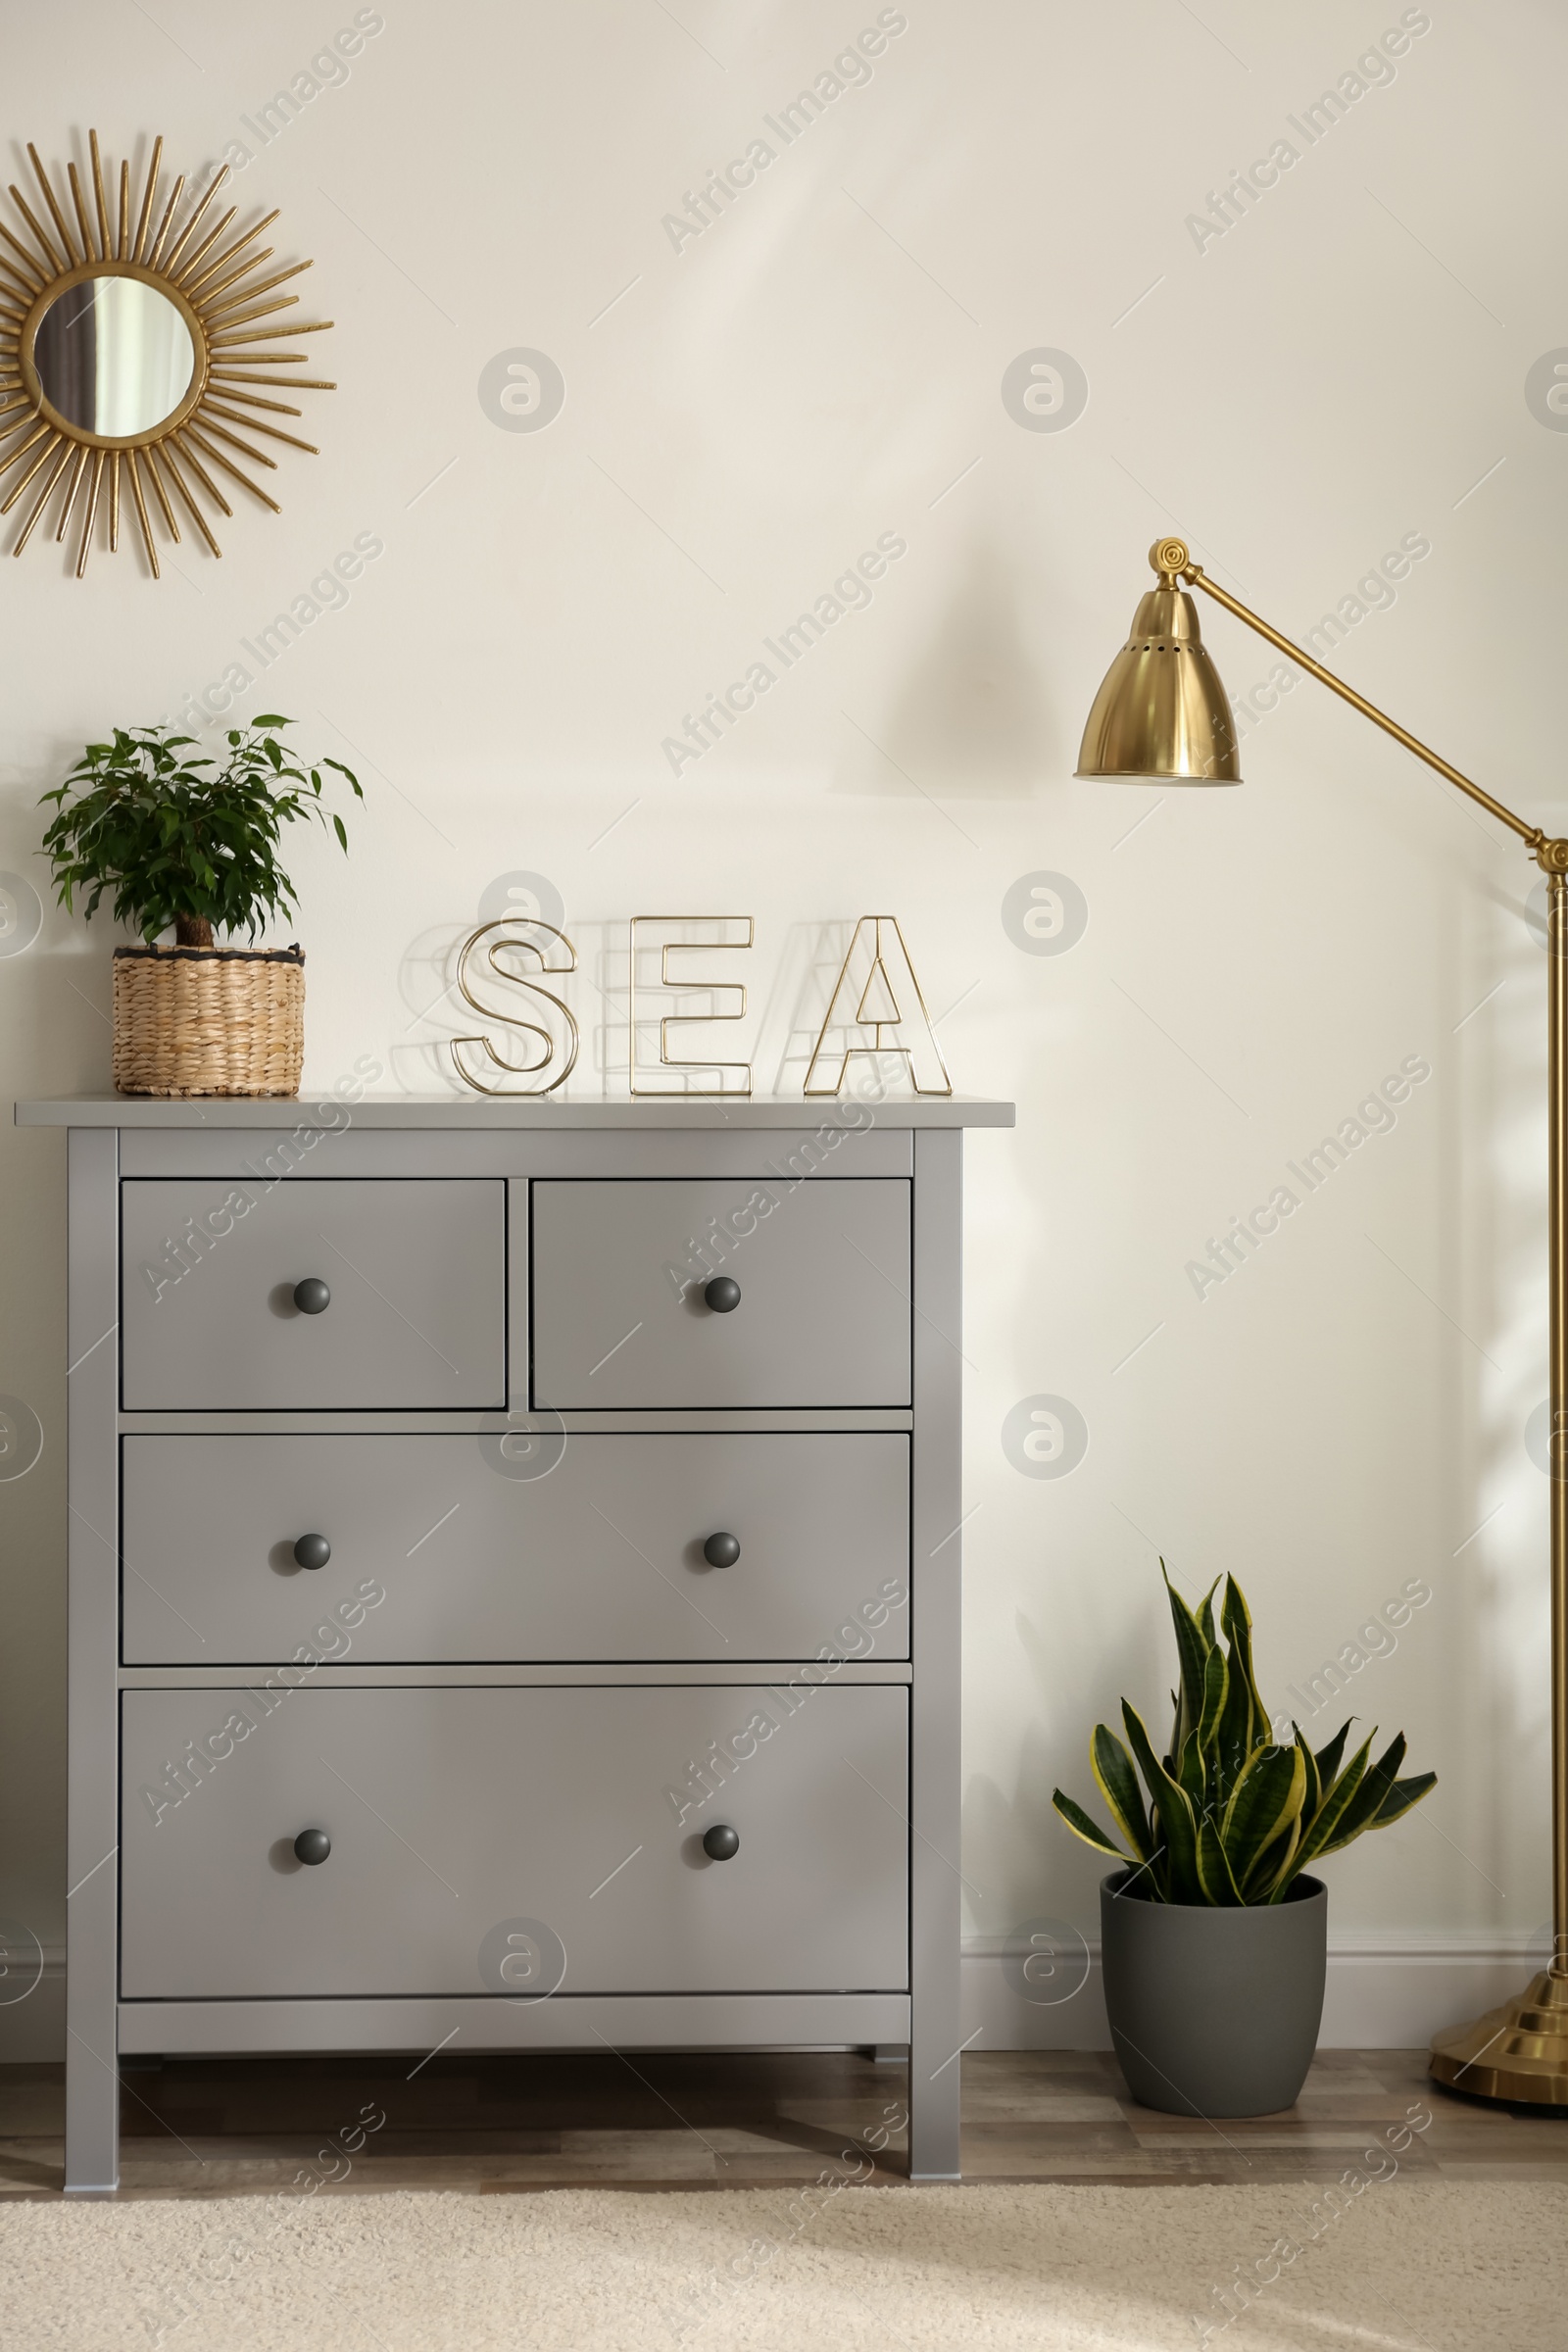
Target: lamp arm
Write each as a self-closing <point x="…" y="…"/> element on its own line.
<point x="1531" y="835"/>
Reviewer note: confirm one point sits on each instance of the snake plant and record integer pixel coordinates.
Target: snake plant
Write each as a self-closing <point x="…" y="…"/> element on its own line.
<point x="1233" y="1815"/>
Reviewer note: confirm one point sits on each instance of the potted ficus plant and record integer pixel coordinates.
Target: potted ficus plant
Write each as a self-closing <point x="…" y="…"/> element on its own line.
<point x="1214" y="1934"/>
<point x="189" y="845"/>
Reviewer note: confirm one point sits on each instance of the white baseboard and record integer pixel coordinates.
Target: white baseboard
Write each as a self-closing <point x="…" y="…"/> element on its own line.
<point x="1384" y="1991"/>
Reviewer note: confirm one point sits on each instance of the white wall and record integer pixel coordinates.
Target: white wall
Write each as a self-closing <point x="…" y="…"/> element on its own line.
<point x="820" y="365"/>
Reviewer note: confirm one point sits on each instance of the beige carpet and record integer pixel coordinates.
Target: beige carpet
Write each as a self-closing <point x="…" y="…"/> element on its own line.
<point x="1426" y="2268"/>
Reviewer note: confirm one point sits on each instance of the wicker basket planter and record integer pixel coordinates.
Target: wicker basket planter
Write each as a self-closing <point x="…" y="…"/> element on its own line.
<point x="209" y="1020"/>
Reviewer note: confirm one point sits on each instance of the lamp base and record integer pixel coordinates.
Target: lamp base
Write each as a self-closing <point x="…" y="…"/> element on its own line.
<point x="1518" y="2052"/>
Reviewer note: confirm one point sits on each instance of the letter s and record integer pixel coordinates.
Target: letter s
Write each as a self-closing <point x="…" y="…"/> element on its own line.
<point x="1416" y="543"/>
<point x="1414" y="1067"/>
<point x="486" y="1070"/>
<point x="367" y="542"/>
<point x="889" y="541"/>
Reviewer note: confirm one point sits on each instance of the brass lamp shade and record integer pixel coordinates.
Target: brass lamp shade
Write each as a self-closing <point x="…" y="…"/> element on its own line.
<point x="1161" y="716"/>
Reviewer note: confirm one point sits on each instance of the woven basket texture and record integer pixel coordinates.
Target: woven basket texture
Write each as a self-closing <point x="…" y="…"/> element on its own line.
<point x="208" y="1022"/>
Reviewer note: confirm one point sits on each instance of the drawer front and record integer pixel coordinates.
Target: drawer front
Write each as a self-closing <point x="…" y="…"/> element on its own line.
<point x="416" y="1276"/>
<point x="602" y="1558"/>
<point x="618" y="1313"/>
<point x="456" y="1816"/>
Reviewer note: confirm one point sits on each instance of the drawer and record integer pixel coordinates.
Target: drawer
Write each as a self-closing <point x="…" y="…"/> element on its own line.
<point x="417" y="1275"/>
<point x="456" y="1816"/>
<point x="619" y="1317"/>
<point x="600" y="1559"/>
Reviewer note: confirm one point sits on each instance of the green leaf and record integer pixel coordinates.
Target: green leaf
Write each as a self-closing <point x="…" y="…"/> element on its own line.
<point x="1328" y="1758"/>
<point x="1216" y="1688"/>
<point x="1233" y="1735"/>
<point x="1177" y="1818"/>
<point x="1244" y="1722"/>
<point x="1274" y="1868"/>
<point x="1265" y="1801"/>
<point x="1081" y="1825"/>
<point x="1318" y="1833"/>
<point x="1236" y="1619"/>
<point x="1377" y="1785"/>
<point x="169" y="834"/>
<point x="1191" y="1653"/>
<point x="1314" y="1781"/>
<point x="1214" y="1868"/>
<point x="1113" y="1768"/>
<point x="1194" y="1763"/>
<point x="1401" y="1796"/>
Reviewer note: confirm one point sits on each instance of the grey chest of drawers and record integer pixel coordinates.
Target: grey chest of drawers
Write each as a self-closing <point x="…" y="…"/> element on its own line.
<point x="514" y="1583"/>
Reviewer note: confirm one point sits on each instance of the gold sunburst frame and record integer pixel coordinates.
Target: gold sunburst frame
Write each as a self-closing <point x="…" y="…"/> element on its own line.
<point x="219" y="298"/>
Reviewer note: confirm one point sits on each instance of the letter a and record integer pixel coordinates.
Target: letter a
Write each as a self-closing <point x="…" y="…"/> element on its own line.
<point x="889" y="1016"/>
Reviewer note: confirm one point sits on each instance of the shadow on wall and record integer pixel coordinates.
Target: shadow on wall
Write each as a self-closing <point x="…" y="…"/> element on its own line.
<point x="972" y="717"/>
<point x="1018" y="1861"/>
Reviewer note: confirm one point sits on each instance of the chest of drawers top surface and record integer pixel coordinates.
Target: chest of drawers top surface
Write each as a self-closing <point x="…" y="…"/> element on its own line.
<point x="543" y="1116"/>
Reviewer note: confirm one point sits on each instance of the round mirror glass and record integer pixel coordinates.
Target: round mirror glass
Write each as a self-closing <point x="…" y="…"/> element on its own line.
<point x="114" y="356"/>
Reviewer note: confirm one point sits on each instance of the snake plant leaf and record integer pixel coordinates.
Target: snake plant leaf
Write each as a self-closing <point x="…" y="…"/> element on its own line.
<point x="1377" y="1785"/>
<point x="1266" y="1799"/>
<point x="1216" y="1689"/>
<point x="1192" y="1652"/>
<point x="1194" y="1761"/>
<point x="1320" y="1832"/>
<point x="1274" y="1868"/>
<point x="1236" y="1620"/>
<point x="1176" y="1815"/>
<point x="1214" y="1868"/>
<point x="1081" y="1825"/>
<point x="1401" y="1796"/>
<point x="1328" y="1758"/>
<point x="1233" y="1736"/>
<point x="1232" y="1815"/>
<point x="1314" y="1779"/>
<point x="1113" y="1768"/>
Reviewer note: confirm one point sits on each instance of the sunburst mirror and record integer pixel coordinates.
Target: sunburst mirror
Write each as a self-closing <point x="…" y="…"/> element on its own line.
<point x="134" y="352"/>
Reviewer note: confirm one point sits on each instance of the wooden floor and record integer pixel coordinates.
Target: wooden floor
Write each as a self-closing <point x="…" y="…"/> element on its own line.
<point x="488" y="2126"/>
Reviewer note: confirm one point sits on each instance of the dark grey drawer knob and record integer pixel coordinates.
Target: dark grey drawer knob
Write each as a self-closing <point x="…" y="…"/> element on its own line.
<point x="313" y="1298"/>
<point x="722" y="1294"/>
<point x="721" y="1551"/>
<point x="313" y="1551"/>
<point x="719" y="1844"/>
<point x="313" y="1845"/>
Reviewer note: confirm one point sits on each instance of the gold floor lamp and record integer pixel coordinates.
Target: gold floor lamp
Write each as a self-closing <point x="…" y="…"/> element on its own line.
<point x="1162" y="716"/>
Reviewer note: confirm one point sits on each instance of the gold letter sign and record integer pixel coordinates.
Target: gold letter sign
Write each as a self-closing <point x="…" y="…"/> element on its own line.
<point x="665" y="1075"/>
<point x="520" y="935"/>
<point x="888" y="1016"/>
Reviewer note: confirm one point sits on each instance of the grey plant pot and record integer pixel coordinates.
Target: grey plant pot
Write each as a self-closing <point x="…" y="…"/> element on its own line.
<point x="1214" y="2011"/>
